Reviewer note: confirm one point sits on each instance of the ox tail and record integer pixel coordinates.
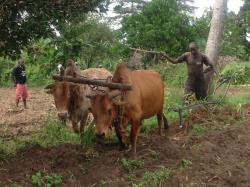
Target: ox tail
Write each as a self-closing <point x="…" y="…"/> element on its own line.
<point x="165" y="121"/>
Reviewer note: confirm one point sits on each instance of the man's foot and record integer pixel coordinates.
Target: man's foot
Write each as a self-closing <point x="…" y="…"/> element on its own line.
<point x="25" y="104"/>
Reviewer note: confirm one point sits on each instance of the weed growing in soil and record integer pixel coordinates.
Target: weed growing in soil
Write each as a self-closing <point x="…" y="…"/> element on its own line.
<point x="42" y="179"/>
<point x="130" y="165"/>
<point x="153" y="154"/>
<point x="105" y="182"/>
<point x="186" y="163"/>
<point x="153" y="178"/>
<point x="198" y="129"/>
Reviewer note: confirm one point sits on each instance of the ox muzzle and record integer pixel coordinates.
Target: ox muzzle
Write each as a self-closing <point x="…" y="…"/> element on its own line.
<point x="100" y="136"/>
<point x="62" y="115"/>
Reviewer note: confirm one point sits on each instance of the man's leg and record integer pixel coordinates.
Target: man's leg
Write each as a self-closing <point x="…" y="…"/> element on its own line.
<point x="24" y="103"/>
<point x="17" y="102"/>
<point x="189" y="90"/>
<point x="18" y="96"/>
<point x="201" y="91"/>
<point x="24" y="95"/>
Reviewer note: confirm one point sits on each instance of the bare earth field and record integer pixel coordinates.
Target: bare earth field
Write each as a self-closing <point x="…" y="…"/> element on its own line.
<point x="219" y="154"/>
<point x="18" y="121"/>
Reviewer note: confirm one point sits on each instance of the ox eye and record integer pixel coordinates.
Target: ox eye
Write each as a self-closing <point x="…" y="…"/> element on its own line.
<point x="110" y="112"/>
<point x="89" y="109"/>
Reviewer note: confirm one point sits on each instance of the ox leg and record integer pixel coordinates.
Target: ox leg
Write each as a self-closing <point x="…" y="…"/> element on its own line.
<point x="160" y="121"/>
<point x="75" y="127"/>
<point x="136" y="126"/>
<point x="82" y="124"/>
<point x="120" y="133"/>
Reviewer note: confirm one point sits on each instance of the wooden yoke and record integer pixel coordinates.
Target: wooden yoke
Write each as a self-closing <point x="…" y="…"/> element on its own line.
<point x="123" y="87"/>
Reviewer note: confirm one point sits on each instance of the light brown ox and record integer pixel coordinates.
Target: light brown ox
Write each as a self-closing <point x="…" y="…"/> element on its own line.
<point x="144" y="101"/>
<point x="70" y="98"/>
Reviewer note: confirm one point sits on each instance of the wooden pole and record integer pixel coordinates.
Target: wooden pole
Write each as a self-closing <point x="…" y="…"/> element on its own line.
<point x="144" y="51"/>
<point x="93" y="82"/>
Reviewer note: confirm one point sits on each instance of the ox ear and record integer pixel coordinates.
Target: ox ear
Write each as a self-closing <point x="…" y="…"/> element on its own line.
<point x="114" y="94"/>
<point x="49" y="88"/>
<point x="62" y="71"/>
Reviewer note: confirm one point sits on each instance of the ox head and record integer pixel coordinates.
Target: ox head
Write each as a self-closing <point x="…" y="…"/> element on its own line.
<point x="61" y="94"/>
<point x="103" y="107"/>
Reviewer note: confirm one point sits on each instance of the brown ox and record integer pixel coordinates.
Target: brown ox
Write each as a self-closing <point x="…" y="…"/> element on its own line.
<point x="70" y="99"/>
<point x="144" y="101"/>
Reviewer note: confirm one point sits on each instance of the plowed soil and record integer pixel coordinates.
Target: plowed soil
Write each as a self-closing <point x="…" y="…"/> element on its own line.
<point x="220" y="156"/>
<point x="18" y="121"/>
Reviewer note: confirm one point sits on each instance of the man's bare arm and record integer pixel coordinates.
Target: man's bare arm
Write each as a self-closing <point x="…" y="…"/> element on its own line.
<point x="180" y="59"/>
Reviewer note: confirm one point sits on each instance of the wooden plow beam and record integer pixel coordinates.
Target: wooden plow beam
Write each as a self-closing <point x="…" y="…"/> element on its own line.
<point x="102" y="83"/>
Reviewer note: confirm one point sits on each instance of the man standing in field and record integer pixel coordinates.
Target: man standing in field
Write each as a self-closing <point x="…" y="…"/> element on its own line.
<point x="19" y="79"/>
<point x="196" y="80"/>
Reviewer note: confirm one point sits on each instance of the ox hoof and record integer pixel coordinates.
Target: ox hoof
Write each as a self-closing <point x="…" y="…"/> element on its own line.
<point x="166" y="126"/>
<point x="123" y="147"/>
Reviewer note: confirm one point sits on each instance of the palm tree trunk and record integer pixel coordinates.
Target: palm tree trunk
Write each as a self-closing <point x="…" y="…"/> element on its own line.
<point x="215" y="36"/>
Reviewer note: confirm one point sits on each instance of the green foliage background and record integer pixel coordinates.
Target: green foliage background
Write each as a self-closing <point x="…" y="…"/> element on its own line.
<point x="93" y="42"/>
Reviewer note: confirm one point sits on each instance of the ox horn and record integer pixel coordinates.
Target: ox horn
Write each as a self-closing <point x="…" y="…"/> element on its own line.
<point x="49" y="88"/>
<point x="90" y="96"/>
<point x="114" y="94"/>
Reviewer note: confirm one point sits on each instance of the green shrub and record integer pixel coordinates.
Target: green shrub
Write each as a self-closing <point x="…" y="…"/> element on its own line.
<point x="241" y="73"/>
<point x="174" y="75"/>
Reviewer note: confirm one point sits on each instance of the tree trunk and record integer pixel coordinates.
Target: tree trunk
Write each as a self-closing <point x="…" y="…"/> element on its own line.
<point x="215" y="37"/>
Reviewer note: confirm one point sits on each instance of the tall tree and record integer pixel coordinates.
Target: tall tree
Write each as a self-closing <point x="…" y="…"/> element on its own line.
<point x="234" y="40"/>
<point x="88" y="42"/>
<point x="158" y="26"/>
<point x="128" y="7"/>
<point x="244" y="15"/>
<point x="186" y="6"/>
<point x="21" y="21"/>
<point x="215" y="35"/>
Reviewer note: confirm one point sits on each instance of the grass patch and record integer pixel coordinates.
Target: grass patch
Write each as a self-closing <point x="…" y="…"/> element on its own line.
<point x="88" y="137"/>
<point x="149" y="124"/>
<point x="186" y="163"/>
<point x="198" y="129"/>
<point x="130" y="165"/>
<point x="153" y="178"/>
<point x="173" y="100"/>
<point x="237" y="100"/>
<point x="53" y="133"/>
<point x="43" y="179"/>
